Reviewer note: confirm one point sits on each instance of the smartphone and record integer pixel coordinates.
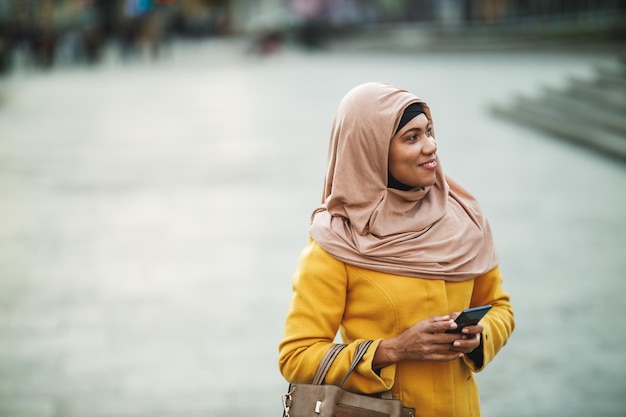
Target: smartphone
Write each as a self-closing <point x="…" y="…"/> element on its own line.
<point x="469" y="317"/>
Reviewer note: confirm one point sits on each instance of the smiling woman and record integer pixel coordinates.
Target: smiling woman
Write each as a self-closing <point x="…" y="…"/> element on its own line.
<point x="396" y="250"/>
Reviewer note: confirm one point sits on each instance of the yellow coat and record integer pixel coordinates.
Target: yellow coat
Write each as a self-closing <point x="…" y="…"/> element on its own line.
<point x="331" y="296"/>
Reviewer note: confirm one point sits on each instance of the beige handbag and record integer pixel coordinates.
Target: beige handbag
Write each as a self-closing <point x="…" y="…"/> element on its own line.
<point x="319" y="400"/>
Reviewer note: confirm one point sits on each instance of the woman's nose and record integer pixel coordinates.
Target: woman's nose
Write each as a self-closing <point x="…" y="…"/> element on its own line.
<point x="431" y="145"/>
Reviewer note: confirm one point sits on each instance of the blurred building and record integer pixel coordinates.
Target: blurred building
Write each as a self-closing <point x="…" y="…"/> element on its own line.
<point x="44" y="32"/>
<point x="445" y="12"/>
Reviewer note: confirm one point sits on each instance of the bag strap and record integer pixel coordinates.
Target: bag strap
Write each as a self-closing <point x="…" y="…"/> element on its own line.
<point x="327" y="360"/>
<point x="358" y="355"/>
<point x="330" y="356"/>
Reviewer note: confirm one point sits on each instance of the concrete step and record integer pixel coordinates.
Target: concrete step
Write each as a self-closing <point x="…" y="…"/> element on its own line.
<point x="575" y="130"/>
<point x="609" y="117"/>
<point x="612" y="77"/>
<point x="591" y="92"/>
<point x="589" y="112"/>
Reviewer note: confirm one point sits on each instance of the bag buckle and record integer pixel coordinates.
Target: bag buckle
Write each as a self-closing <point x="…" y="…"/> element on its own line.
<point x="287" y="401"/>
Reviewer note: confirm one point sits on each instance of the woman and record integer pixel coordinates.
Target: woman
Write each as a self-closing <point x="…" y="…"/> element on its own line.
<point x="396" y="251"/>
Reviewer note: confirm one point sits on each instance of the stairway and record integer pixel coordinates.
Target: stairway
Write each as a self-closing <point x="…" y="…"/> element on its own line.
<point x="588" y="112"/>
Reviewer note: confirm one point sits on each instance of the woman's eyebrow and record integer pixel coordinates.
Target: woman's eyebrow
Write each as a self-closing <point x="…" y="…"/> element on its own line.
<point x="416" y="128"/>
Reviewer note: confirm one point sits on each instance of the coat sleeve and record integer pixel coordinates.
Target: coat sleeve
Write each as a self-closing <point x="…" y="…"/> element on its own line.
<point x="498" y="324"/>
<point x="319" y="288"/>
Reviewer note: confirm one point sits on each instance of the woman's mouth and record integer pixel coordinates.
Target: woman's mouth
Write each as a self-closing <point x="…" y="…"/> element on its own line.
<point x="430" y="164"/>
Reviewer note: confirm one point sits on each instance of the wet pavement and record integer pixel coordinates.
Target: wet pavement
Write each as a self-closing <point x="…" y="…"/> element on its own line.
<point x="152" y="214"/>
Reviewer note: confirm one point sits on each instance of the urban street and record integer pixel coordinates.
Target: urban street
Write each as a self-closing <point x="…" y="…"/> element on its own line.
<point x="153" y="211"/>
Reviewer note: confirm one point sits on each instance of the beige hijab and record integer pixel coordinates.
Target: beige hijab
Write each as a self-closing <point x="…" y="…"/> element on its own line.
<point x="437" y="232"/>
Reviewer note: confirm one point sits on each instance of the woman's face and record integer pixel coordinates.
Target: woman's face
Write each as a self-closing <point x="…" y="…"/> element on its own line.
<point x="412" y="153"/>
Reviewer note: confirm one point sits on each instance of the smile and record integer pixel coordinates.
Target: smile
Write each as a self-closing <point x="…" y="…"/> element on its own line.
<point x="429" y="164"/>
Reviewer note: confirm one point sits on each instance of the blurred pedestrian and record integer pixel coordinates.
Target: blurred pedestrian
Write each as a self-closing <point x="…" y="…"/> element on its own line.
<point x="397" y="249"/>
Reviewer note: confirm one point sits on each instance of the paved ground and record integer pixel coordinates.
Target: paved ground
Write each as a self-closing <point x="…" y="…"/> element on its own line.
<point x="151" y="216"/>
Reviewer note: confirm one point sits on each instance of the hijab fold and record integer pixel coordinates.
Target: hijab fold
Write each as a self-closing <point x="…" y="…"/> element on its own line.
<point x="435" y="232"/>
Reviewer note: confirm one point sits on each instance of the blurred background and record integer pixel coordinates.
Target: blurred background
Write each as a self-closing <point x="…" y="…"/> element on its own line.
<point x="160" y="159"/>
<point x="43" y="33"/>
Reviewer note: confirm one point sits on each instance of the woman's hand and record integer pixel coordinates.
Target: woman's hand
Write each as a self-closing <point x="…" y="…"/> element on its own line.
<point x="426" y="341"/>
<point x="471" y="337"/>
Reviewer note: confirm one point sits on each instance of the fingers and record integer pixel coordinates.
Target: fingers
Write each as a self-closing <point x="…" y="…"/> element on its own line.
<point x="470" y="340"/>
<point x="470" y="330"/>
<point x="427" y="340"/>
<point x="440" y="348"/>
<point x="440" y="324"/>
<point x="468" y="344"/>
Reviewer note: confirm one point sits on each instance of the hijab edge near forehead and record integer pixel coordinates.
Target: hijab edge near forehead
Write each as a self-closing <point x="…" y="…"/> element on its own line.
<point x="410" y="112"/>
<point x="383" y="103"/>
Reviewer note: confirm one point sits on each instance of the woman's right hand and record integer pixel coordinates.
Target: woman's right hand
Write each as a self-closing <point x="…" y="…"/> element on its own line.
<point x="424" y="341"/>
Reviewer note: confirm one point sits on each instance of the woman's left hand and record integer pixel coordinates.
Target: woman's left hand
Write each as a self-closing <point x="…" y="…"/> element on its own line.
<point x="471" y="338"/>
<point x="470" y="341"/>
